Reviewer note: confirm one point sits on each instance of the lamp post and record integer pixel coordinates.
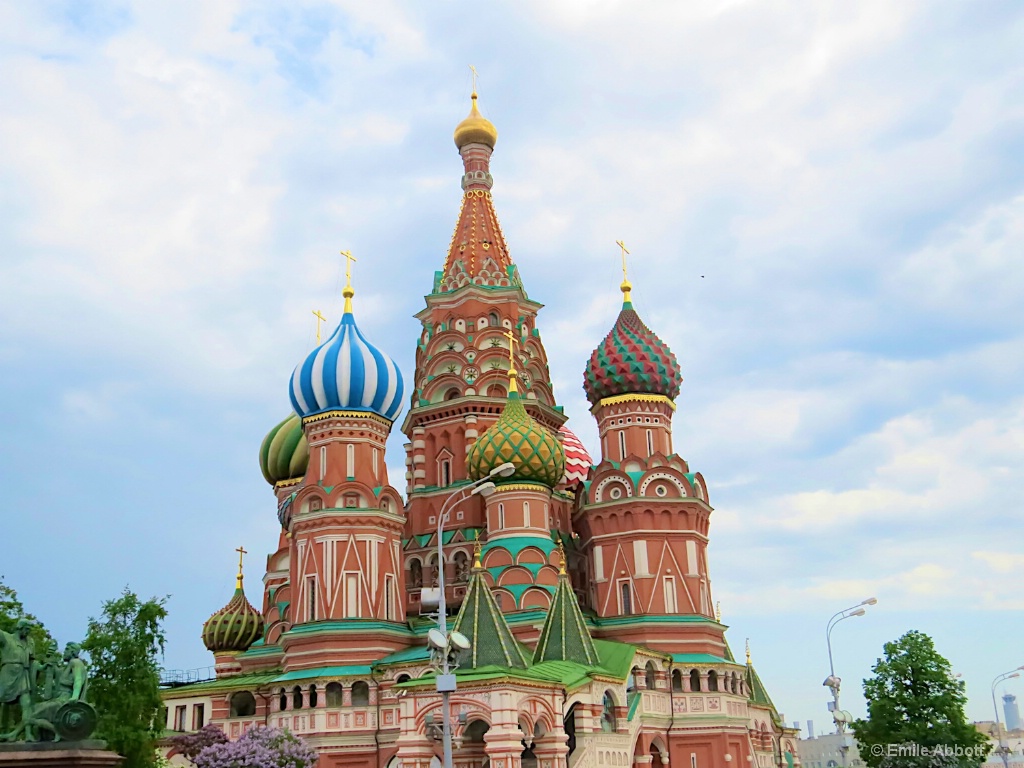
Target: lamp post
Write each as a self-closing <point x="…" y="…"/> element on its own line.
<point x="832" y="682"/>
<point x="1004" y="749"/>
<point x="444" y="641"/>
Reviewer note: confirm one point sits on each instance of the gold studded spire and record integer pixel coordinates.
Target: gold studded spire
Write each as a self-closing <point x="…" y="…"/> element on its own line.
<point x="748" y="651"/>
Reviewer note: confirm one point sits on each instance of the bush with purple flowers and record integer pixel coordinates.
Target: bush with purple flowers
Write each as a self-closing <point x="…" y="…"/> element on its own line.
<point x="191" y="744"/>
<point x="259" y="748"/>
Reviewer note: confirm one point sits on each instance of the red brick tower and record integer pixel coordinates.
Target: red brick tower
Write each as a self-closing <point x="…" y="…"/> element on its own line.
<point x="475" y="311"/>
<point x="643" y="518"/>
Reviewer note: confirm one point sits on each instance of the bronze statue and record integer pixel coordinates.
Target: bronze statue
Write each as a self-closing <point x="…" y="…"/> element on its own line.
<point x="56" y="708"/>
<point x="17" y="672"/>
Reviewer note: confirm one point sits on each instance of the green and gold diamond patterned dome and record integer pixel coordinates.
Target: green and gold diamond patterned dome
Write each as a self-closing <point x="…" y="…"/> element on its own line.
<point x="516" y="437"/>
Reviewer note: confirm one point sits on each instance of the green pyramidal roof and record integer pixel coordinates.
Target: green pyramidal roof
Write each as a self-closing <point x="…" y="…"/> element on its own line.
<point x="565" y="636"/>
<point x="758" y="693"/>
<point x="482" y="622"/>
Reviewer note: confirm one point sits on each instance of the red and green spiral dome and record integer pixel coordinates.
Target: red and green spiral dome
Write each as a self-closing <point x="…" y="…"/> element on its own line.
<point x="631" y="360"/>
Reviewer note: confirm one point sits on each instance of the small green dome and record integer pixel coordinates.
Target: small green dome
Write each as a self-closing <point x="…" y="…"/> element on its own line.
<point x="234" y="627"/>
<point x="516" y="437"/>
<point x="284" y="454"/>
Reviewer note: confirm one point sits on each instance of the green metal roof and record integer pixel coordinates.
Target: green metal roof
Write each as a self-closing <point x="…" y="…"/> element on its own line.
<point x="416" y="653"/>
<point x="482" y="622"/>
<point x="236" y="683"/>
<point x="565" y="636"/>
<point x="516" y="544"/>
<point x="309" y="674"/>
<point x="699" y="658"/>
<point x="616" y="658"/>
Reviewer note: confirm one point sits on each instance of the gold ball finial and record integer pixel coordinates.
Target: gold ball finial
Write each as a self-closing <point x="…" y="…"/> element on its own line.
<point x="561" y="559"/>
<point x="478" y="555"/>
<point x="241" y="553"/>
<point x="748" y="651"/>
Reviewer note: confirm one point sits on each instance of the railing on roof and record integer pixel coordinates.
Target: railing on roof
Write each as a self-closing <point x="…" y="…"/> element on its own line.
<point x="173" y="678"/>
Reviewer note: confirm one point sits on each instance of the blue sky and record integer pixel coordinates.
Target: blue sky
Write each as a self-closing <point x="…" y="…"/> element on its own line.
<point x="825" y="203"/>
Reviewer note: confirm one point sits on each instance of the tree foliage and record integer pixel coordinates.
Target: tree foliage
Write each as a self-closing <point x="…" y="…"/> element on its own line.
<point x="11" y="609"/>
<point x="916" y="711"/>
<point x="124" y="675"/>
<point x="191" y="744"/>
<point x="259" y="748"/>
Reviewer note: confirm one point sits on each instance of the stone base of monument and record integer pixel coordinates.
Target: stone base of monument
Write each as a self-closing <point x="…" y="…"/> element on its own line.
<point x="58" y="754"/>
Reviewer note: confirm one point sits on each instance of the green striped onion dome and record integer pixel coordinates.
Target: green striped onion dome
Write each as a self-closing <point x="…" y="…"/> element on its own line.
<point x="284" y="454"/>
<point x="516" y="437"/>
<point x="234" y="627"/>
<point x="631" y="360"/>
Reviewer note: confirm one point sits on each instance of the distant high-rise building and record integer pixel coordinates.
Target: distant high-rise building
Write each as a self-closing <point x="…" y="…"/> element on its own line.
<point x="810" y="729"/>
<point x="1011" y="713"/>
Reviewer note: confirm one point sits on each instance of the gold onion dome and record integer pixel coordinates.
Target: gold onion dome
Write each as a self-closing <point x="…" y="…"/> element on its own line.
<point x="475" y="129"/>
<point x="234" y="627"/>
<point x="516" y="437"/>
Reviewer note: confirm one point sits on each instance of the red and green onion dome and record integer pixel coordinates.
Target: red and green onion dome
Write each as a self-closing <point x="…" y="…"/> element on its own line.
<point x="516" y="437"/>
<point x="631" y="360"/>
<point x="234" y="627"/>
<point x="284" y="454"/>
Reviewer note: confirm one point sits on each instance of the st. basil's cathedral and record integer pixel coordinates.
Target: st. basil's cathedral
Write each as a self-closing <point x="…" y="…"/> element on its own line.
<point x="581" y="587"/>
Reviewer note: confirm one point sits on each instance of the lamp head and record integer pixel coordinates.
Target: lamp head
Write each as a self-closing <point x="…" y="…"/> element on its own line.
<point x="858" y="612"/>
<point x="484" y="489"/>
<point x="870" y="601"/>
<point x="1015" y="674"/>
<point x="503" y="470"/>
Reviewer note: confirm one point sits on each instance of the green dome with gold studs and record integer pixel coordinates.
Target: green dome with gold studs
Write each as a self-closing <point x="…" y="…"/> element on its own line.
<point x="284" y="454"/>
<point x="237" y="625"/>
<point x="516" y="437"/>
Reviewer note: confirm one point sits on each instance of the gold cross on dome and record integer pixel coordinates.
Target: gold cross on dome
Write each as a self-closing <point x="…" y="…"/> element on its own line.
<point x="349" y="258"/>
<point x="319" y="319"/>
<point x="473" y="70"/>
<point x="625" y="253"/>
<point x="512" y="341"/>
<point x="241" y="553"/>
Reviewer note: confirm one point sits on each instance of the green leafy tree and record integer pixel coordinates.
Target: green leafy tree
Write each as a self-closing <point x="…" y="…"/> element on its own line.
<point x="916" y="711"/>
<point x="124" y="676"/>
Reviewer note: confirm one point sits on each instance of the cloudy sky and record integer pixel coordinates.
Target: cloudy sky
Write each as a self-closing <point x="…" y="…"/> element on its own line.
<point x="825" y="203"/>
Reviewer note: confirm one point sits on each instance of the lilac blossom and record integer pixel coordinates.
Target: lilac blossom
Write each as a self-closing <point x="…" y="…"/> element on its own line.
<point x="191" y="744"/>
<point x="259" y="748"/>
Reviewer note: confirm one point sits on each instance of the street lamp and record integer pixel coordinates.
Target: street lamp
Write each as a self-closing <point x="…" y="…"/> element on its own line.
<point x="443" y="642"/>
<point x="839" y="717"/>
<point x="1004" y="749"/>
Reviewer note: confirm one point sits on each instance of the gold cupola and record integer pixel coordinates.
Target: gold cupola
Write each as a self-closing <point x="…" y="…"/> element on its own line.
<point x="475" y="129"/>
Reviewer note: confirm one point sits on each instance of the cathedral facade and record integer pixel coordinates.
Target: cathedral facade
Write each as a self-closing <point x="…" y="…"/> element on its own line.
<point x="579" y="589"/>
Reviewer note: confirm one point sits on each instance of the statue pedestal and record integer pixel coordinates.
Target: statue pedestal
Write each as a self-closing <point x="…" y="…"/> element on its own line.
<point x="60" y="754"/>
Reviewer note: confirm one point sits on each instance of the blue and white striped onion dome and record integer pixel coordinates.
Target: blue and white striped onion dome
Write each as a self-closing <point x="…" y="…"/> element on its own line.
<point x="347" y="373"/>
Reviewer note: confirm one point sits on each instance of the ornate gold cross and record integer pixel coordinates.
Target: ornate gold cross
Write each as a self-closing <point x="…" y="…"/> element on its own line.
<point x="241" y="552"/>
<point x="319" y="319"/>
<point x="512" y="341"/>
<point x="625" y="253"/>
<point x="473" y="70"/>
<point x="349" y="258"/>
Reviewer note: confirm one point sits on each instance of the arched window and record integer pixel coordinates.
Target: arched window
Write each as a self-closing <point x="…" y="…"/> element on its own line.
<point x="452" y="393"/>
<point x="312" y="696"/>
<point x="243" y="704"/>
<point x="493" y="318"/>
<point x="650" y="676"/>
<point x="474" y="732"/>
<point x="360" y="694"/>
<point x="433" y="573"/>
<point x="732" y="682"/>
<point x="461" y="566"/>
<point x="694" y="680"/>
<point x="282" y="703"/>
<point x="335" y="695"/>
<point x="415" y="574"/>
<point x="608" y="713"/>
<point x="297" y="697"/>
<point x="634" y="676"/>
<point x="402" y="678"/>
<point x="496" y="390"/>
<point x="446" y="473"/>
<point x="712" y="680"/>
<point x="677" y="680"/>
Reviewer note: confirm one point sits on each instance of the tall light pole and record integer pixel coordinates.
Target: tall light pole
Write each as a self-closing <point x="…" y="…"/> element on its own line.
<point x="443" y="642"/>
<point x="832" y="682"/>
<point x="1004" y="749"/>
